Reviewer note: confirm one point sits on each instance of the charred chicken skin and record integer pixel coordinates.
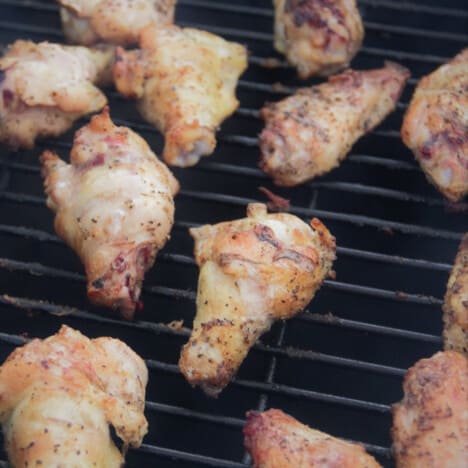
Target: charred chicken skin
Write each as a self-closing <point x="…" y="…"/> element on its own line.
<point x="253" y="271"/>
<point x="435" y="127"/>
<point x="184" y="81"/>
<point x="318" y="37"/>
<point x="117" y="22"/>
<point x="310" y="133"/>
<point x="59" y="395"/>
<point x="45" y="87"/>
<point x="114" y="206"/>
<point x="277" y="440"/>
<point x="430" y="424"/>
<point x="456" y="303"/>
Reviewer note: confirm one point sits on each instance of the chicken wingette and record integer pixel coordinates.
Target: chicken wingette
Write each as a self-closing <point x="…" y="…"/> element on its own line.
<point x="59" y="395"/>
<point x="114" y="206"/>
<point x="45" y="87"/>
<point x="310" y="133"/>
<point x="318" y="37"/>
<point x="456" y="303"/>
<point x="184" y="81"/>
<point x="430" y="424"/>
<point x="435" y="127"/>
<point x="277" y="440"/>
<point x="253" y="271"/>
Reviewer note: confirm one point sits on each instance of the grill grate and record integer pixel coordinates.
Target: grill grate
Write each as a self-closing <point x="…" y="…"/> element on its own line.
<point x="339" y="365"/>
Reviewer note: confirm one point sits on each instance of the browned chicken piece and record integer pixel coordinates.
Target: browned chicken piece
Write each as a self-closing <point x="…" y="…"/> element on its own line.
<point x="430" y="424"/>
<point x="435" y="127"/>
<point x="318" y="37"/>
<point x="59" y="395"/>
<point x="114" y="206"/>
<point x="118" y="22"/>
<point x="184" y="81"/>
<point x="45" y="87"/>
<point x="277" y="440"/>
<point x="309" y="133"/>
<point x="253" y="271"/>
<point x="456" y="303"/>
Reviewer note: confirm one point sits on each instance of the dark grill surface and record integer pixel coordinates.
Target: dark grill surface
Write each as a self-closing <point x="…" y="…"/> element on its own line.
<point x="339" y="365"/>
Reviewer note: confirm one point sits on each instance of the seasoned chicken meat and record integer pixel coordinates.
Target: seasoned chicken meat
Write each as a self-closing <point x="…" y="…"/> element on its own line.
<point x="310" y="133"/>
<point x="435" y="127"/>
<point x="456" y="303"/>
<point x="318" y="37"/>
<point x="185" y="81"/>
<point x="114" y="206"/>
<point x="277" y="440"/>
<point x="59" y="395"/>
<point x="253" y="271"/>
<point x="430" y="424"/>
<point x="45" y="87"/>
<point x="118" y="22"/>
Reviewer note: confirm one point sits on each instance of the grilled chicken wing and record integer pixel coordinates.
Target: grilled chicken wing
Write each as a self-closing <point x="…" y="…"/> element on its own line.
<point x="114" y="207"/>
<point x="253" y="271"/>
<point x="45" y="87"/>
<point x="310" y="132"/>
<point x="59" y="395"/>
<point x="319" y="37"/>
<point x="185" y="81"/>
<point x="435" y="127"/>
<point x="277" y="440"/>
<point x="116" y="21"/>
<point x="456" y="303"/>
<point x="430" y="424"/>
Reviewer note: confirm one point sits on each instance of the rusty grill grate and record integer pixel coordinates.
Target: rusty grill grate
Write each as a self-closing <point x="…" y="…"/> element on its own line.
<point x="339" y="365"/>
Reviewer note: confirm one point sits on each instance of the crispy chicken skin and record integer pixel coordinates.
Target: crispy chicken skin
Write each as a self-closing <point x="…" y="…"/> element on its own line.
<point x="185" y="81"/>
<point x="114" y="206"/>
<point x="118" y="22"/>
<point x="456" y="303"/>
<point x="59" y="395"/>
<point x="277" y="440"/>
<point x="435" y="127"/>
<point x="430" y="424"/>
<point x="45" y="87"/>
<point x="318" y="37"/>
<point x="253" y="271"/>
<point x="310" y="133"/>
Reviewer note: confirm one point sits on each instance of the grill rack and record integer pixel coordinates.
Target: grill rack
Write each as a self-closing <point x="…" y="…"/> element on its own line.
<point x="277" y="349"/>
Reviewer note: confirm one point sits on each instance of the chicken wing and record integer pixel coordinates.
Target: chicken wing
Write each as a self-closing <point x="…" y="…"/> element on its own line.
<point x="114" y="207"/>
<point x="311" y="132"/>
<point x="277" y="440"/>
<point x="59" y="395"/>
<point x="253" y="271"/>
<point x="45" y="87"/>
<point x="319" y="37"/>
<point x="456" y="303"/>
<point x="435" y="127"/>
<point x="430" y="424"/>
<point x="184" y="80"/>
<point x="118" y="22"/>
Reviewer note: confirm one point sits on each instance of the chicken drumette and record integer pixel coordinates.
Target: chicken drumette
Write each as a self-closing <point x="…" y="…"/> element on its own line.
<point x="116" y="21"/>
<point x="310" y="132"/>
<point x="59" y="395"/>
<point x="435" y="127"/>
<point x="253" y="271"/>
<point x="456" y="303"/>
<point x="114" y="207"/>
<point x="184" y="80"/>
<point x="430" y="424"/>
<point x="45" y="87"/>
<point x="277" y="440"/>
<point x="319" y="37"/>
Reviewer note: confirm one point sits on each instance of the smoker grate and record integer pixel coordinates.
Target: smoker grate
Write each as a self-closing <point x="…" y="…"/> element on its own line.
<point x="339" y="365"/>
